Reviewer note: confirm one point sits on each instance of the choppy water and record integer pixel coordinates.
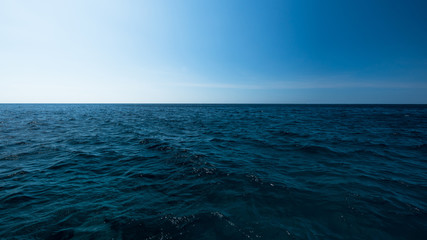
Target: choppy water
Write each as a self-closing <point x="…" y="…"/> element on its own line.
<point x="213" y="172"/>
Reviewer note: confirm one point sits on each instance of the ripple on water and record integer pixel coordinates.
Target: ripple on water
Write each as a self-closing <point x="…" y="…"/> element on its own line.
<point x="213" y="172"/>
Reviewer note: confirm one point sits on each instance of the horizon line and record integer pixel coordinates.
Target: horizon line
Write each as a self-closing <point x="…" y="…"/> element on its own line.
<point x="196" y="103"/>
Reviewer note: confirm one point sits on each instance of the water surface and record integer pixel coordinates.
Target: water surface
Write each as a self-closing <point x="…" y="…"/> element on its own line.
<point x="213" y="171"/>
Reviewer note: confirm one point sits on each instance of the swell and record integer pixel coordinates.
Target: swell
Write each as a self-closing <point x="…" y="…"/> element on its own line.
<point x="212" y="172"/>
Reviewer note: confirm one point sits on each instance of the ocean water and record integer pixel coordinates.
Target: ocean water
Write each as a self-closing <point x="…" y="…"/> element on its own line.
<point x="213" y="171"/>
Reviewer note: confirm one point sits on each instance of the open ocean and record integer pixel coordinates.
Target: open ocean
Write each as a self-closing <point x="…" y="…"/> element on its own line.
<point x="157" y="171"/>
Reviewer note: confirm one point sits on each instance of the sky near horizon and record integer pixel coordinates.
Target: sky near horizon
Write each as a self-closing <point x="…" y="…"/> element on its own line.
<point x="222" y="51"/>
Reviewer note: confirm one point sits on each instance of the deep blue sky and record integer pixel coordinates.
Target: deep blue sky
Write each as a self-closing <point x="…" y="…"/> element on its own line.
<point x="236" y="51"/>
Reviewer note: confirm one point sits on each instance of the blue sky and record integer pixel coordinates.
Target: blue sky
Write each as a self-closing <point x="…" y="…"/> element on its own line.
<point x="222" y="51"/>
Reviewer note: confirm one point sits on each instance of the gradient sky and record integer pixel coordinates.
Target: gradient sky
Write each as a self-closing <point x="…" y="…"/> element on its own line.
<point x="221" y="51"/>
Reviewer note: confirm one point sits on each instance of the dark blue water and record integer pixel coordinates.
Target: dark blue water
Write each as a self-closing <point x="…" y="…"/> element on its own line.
<point x="213" y="172"/>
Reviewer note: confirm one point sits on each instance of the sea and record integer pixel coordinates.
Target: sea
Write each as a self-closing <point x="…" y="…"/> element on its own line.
<point x="212" y="171"/>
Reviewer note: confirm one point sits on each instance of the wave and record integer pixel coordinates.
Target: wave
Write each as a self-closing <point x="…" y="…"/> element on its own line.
<point x="205" y="225"/>
<point x="212" y="172"/>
